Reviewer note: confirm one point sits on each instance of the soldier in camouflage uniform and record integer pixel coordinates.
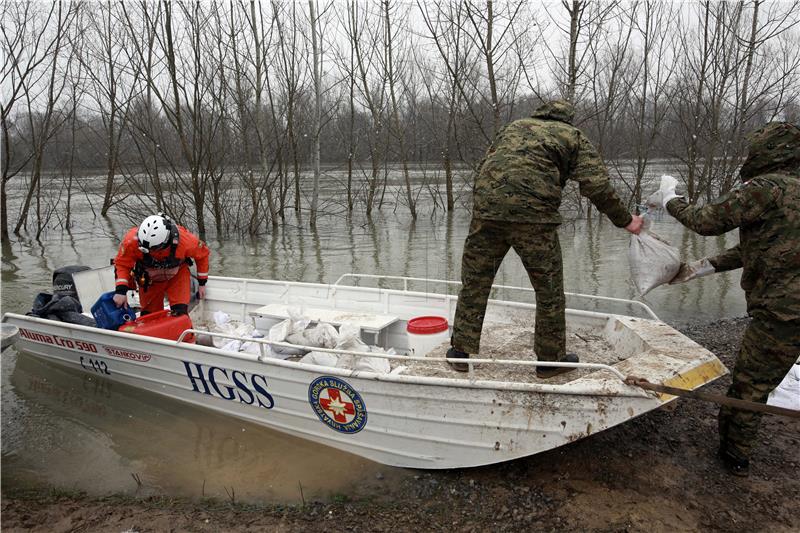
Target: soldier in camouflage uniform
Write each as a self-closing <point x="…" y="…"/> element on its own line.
<point x="516" y="199"/>
<point x="766" y="209"/>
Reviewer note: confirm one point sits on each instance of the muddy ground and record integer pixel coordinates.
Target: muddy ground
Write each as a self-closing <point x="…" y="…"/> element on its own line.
<point x="655" y="473"/>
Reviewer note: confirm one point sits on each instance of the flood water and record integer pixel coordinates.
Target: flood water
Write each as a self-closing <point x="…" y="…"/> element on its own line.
<point x="69" y="429"/>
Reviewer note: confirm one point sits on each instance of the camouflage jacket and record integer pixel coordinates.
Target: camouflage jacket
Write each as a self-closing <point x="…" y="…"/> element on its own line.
<point x="523" y="174"/>
<point x="766" y="210"/>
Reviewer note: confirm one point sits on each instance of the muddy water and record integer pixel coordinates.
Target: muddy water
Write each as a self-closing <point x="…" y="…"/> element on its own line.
<point x="71" y="430"/>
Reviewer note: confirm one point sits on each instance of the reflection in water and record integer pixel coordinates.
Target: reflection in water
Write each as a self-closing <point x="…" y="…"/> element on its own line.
<point x="318" y="256"/>
<point x="351" y="242"/>
<point x="593" y="249"/>
<point x="61" y="427"/>
<point x="72" y="244"/>
<point x="302" y="266"/>
<point x="449" y="259"/>
<point x="376" y="249"/>
<point x="10" y="266"/>
<point x="96" y="433"/>
<point x="273" y="256"/>
<point x="409" y="255"/>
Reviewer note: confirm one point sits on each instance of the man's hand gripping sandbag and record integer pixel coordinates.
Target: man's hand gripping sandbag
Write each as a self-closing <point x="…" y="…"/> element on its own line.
<point x="693" y="270"/>
<point x="664" y="194"/>
<point x="653" y="260"/>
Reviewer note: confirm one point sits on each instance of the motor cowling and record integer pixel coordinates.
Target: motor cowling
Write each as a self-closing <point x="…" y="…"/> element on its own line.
<point x="63" y="284"/>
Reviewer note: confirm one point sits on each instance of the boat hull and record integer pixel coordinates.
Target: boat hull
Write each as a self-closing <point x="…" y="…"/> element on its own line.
<point x="405" y="424"/>
<point x="396" y="419"/>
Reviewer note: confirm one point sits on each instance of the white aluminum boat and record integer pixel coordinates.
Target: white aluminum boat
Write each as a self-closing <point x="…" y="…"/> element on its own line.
<point x="422" y="414"/>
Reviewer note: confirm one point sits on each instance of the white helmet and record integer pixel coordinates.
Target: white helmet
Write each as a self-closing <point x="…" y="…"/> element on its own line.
<point x="154" y="233"/>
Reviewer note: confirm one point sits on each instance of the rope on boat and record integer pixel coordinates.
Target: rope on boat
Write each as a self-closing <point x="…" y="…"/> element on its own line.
<point x="713" y="398"/>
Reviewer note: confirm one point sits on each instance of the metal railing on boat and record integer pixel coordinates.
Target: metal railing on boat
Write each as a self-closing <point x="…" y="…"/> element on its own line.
<point x="264" y="356"/>
<point x="406" y="279"/>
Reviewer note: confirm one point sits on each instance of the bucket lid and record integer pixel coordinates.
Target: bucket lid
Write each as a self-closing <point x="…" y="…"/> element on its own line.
<point x="426" y="325"/>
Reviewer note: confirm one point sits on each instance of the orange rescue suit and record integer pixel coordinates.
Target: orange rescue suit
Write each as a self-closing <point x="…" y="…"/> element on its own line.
<point x="165" y="274"/>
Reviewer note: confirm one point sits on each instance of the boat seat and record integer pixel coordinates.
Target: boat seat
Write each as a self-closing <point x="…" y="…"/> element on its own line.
<point x="369" y="323"/>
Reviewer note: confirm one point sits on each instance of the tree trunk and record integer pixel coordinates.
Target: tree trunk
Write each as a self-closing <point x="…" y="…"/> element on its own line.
<point x="316" y="123"/>
<point x="399" y="133"/>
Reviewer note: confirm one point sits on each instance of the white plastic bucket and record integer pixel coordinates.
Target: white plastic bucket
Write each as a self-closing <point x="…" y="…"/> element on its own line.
<point x="426" y="333"/>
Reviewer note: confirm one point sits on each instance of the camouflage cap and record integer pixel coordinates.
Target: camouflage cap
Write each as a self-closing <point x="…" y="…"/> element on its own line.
<point x="560" y="110"/>
<point x="774" y="146"/>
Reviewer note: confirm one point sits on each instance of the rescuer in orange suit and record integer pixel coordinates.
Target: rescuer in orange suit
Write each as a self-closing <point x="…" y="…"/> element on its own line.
<point x="157" y="256"/>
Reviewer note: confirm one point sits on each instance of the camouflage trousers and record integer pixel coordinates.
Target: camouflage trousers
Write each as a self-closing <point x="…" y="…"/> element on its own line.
<point x="768" y="351"/>
<point x="538" y="247"/>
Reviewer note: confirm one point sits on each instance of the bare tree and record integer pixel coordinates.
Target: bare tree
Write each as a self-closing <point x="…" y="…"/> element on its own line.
<point x="215" y="111"/>
<point x="112" y="88"/>
<point x="28" y="44"/>
<point x="290" y="74"/>
<point x="248" y="74"/>
<point x="316" y="123"/>
<point x="392" y="75"/>
<point x="649" y="88"/>
<point x="44" y="124"/>
<point x="491" y="33"/>
<point x="144" y="121"/>
<point x="569" y="65"/>
<point x="364" y="37"/>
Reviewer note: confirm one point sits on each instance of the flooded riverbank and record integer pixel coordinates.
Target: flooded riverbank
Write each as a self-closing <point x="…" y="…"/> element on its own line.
<point x="72" y="431"/>
<point x="655" y="473"/>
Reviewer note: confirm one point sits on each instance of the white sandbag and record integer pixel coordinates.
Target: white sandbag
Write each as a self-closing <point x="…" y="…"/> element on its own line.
<point x="298" y="318"/>
<point x="349" y="334"/>
<point x="379" y="365"/>
<point x="246" y="330"/>
<point x="285" y="351"/>
<point x="349" y="339"/>
<point x="298" y="338"/>
<point x="226" y="328"/>
<point x="653" y="261"/>
<point x="787" y="394"/>
<point x="322" y="336"/>
<point x="320" y="358"/>
<point x="221" y="318"/>
<point x="231" y="345"/>
<point x="253" y="347"/>
<point x="282" y="330"/>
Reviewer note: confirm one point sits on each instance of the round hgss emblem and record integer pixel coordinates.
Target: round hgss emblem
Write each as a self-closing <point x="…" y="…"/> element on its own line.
<point x="337" y="404"/>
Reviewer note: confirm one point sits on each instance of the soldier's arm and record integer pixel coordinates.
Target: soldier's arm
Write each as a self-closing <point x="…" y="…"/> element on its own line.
<point x="741" y="206"/>
<point x="592" y="177"/>
<point x="730" y="259"/>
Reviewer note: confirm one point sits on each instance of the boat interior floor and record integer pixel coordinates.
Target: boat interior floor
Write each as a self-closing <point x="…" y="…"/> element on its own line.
<point x="515" y="342"/>
<point x="508" y="334"/>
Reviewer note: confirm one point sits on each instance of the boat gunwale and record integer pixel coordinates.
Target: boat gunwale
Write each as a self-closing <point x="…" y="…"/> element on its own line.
<point x="333" y="288"/>
<point x="569" y="388"/>
<point x="406" y="279"/>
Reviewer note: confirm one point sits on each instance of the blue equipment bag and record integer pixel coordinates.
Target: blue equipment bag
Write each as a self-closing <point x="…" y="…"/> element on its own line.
<point x="108" y="315"/>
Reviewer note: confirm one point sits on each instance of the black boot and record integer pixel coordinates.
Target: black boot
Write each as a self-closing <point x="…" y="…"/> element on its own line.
<point x="546" y="372"/>
<point x="453" y="353"/>
<point x="734" y="462"/>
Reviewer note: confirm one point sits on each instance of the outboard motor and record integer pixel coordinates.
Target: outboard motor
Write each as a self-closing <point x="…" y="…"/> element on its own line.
<point x="63" y="284"/>
<point x="63" y="304"/>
